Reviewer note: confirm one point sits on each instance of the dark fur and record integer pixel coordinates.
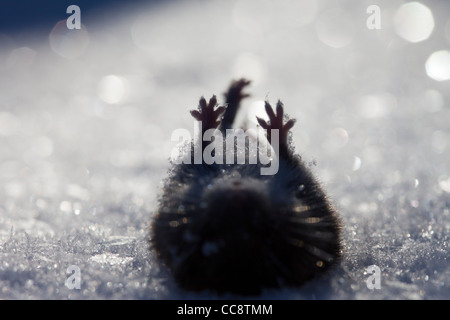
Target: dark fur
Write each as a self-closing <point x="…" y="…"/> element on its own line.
<point x="227" y="228"/>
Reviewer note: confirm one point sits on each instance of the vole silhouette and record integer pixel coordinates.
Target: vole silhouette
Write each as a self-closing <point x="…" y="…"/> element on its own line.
<point x="229" y="229"/>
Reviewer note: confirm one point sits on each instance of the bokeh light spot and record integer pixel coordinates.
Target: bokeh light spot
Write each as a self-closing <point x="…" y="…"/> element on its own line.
<point x="112" y="89"/>
<point x="251" y="66"/>
<point x="335" y="28"/>
<point x="438" y="65"/>
<point x="68" y="43"/>
<point x="414" y="22"/>
<point x="339" y="137"/>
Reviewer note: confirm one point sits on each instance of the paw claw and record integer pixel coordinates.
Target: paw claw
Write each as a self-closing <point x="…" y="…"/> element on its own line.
<point x="219" y="111"/>
<point x="212" y="102"/>
<point x="288" y="126"/>
<point x="202" y="103"/>
<point x="262" y="123"/>
<point x="206" y="113"/>
<point x="270" y="113"/>
<point x="197" y="115"/>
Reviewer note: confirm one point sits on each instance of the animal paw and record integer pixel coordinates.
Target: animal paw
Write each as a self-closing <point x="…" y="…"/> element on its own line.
<point x="233" y="97"/>
<point x="276" y="122"/>
<point x="207" y="114"/>
<point x="234" y="94"/>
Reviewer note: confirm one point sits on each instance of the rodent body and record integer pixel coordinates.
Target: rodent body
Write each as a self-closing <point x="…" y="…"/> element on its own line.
<point x="227" y="228"/>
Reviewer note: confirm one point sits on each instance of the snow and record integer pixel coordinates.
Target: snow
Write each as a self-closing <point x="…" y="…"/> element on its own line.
<point x="86" y="122"/>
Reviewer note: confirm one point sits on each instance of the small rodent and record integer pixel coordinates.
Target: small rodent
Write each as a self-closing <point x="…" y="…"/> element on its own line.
<point x="227" y="228"/>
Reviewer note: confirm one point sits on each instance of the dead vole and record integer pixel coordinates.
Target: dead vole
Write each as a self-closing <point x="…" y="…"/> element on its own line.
<point x="226" y="227"/>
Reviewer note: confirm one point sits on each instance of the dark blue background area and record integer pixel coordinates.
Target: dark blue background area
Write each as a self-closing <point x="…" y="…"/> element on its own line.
<point x="19" y="16"/>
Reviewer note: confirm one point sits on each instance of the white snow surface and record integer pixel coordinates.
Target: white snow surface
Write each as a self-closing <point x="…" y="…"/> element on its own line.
<point x="86" y="123"/>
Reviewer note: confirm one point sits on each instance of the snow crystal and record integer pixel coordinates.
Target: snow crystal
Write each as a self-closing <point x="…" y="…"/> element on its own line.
<point x="86" y="122"/>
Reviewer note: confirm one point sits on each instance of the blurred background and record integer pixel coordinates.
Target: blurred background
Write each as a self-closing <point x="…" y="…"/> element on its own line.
<point x="86" y="118"/>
